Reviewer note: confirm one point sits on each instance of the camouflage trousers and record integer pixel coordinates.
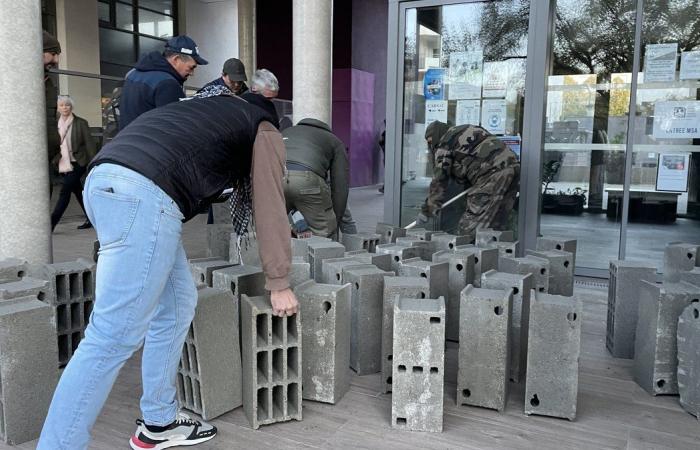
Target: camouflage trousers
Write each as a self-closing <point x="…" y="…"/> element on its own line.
<point x="490" y="201"/>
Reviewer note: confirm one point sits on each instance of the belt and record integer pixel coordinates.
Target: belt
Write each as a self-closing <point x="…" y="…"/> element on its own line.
<point x="291" y="165"/>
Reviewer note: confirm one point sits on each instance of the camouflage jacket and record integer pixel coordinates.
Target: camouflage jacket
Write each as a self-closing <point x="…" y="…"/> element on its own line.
<point x="470" y="155"/>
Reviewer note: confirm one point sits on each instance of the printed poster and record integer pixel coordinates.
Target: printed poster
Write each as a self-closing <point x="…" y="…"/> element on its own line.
<point x="677" y="120"/>
<point x="493" y="116"/>
<point x="468" y="112"/>
<point x="466" y="73"/>
<point x="660" y="62"/>
<point x="435" y="110"/>
<point x="690" y="65"/>
<point x="495" y="79"/>
<point x="672" y="174"/>
<point x="513" y="142"/>
<point x="434" y="84"/>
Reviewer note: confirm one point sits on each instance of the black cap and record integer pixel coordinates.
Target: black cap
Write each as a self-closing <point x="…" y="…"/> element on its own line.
<point x="51" y="44"/>
<point x="235" y="70"/>
<point x="184" y="45"/>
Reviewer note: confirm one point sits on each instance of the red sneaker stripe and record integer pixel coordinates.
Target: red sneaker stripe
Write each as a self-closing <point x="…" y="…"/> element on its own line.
<point x="140" y="444"/>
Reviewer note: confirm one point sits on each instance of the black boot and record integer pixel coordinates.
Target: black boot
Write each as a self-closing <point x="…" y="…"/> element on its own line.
<point x="85" y="225"/>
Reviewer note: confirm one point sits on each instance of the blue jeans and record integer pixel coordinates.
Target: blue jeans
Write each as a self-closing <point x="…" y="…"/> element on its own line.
<point x="145" y="295"/>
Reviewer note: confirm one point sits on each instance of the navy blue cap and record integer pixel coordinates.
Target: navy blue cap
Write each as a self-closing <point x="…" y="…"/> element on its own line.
<point x="185" y="46"/>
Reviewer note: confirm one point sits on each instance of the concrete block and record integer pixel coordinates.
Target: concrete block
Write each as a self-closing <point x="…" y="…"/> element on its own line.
<point x="484" y="347"/>
<point x="361" y="241"/>
<point x="551" y="387"/>
<point x="68" y="281"/>
<point x="28" y="368"/>
<point x="320" y="250"/>
<point x="448" y="241"/>
<point x="679" y="257"/>
<point x="460" y="273"/>
<point x="299" y="272"/>
<point x="485" y="259"/>
<point x="222" y="212"/>
<point x="247" y="253"/>
<point x="537" y="267"/>
<point x="521" y="285"/>
<point x="367" y="289"/>
<point x="561" y="271"/>
<point x="623" y="305"/>
<point x="26" y="287"/>
<point x="418" y="364"/>
<point x="203" y="268"/>
<point x="398" y="253"/>
<point x="689" y="359"/>
<point x="557" y="243"/>
<point x="271" y="356"/>
<point x="437" y="274"/>
<point x="486" y="237"/>
<point x="656" y="349"/>
<point x="692" y="277"/>
<point x="383" y="261"/>
<point x="388" y="233"/>
<point x="421" y="233"/>
<point x="239" y="280"/>
<point x="395" y="288"/>
<point x="332" y="269"/>
<point x="326" y="334"/>
<point x="219" y="240"/>
<point x="300" y="247"/>
<point x="506" y="249"/>
<point x="12" y="269"/>
<point x="209" y="375"/>
<point x="427" y="248"/>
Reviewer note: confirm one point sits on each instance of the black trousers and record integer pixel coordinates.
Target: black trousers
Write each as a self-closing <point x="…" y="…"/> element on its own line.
<point x="71" y="185"/>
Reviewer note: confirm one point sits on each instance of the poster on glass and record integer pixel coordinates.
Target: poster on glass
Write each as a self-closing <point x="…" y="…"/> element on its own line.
<point x="434" y="84"/>
<point x="672" y="172"/>
<point x="660" y="62"/>
<point x="493" y="116"/>
<point x="677" y="120"/>
<point x="466" y="73"/>
<point x="495" y="79"/>
<point x="468" y="112"/>
<point x="690" y="65"/>
<point x="435" y="110"/>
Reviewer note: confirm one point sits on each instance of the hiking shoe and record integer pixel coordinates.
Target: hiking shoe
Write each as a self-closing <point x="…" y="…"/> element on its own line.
<point x="184" y="431"/>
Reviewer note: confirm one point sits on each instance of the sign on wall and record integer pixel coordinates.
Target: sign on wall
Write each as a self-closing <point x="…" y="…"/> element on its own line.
<point x="435" y="110"/>
<point x="677" y="120"/>
<point x="672" y="172"/>
<point x="493" y="116"/>
<point x="466" y="73"/>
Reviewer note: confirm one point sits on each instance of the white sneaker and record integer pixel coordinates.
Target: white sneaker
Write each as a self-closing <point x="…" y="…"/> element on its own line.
<point x="183" y="431"/>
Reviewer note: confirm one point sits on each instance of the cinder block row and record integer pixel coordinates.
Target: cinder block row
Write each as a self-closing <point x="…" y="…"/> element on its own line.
<point x="418" y="364"/>
<point x="219" y="240"/>
<point x="561" y="271"/>
<point x="29" y="368"/>
<point x="554" y="347"/>
<point x="484" y="347"/>
<point x="521" y="285"/>
<point x="448" y="241"/>
<point x="320" y="250"/>
<point x="437" y="274"/>
<point x="300" y="247"/>
<point x="656" y="348"/>
<point x="689" y="359"/>
<point x="271" y="356"/>
<point x="26" y="287"/>
<point x="332" y="269"/>
<point x="556" y="243"/>
<point x="460" y="273"/>
<point x="537" y="267"/>
<point x="203" y="269"/>
<point x="361" y="241"/>
<point x="388" y="233"/>
<point x="383" y="261"/>
<point x="68" y="281"/>
<point x="326" y="334"/>
<point x="398" y="253"/>
<point x="487" y="237"/>
<point x="427" y="248"/>
<point x="679" y="257"/>
<point x="209" y="375"/>
<point x="485" y="259"/>
<point x="367" y="289"/>
<point x="395" y="288"/>
<point x="624" y="289"/>
<point x="12" y="269"/>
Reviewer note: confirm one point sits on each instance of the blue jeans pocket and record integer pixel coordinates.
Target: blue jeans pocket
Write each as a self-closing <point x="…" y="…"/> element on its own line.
<point x="113" y="214"/>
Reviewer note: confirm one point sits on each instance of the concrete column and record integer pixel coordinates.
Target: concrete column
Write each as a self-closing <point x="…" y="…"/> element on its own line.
<point x="313" y="63"/>
<point x="246" y="35"/>
<point x="25" y="230"/>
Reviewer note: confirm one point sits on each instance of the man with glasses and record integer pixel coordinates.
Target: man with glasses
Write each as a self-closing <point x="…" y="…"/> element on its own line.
<point x="158" y="78"/>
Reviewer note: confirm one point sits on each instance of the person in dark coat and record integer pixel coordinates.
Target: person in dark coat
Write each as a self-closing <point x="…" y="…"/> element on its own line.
<point x="158" y="78"/>
<point x="232" y="76"/>
<point x="52" y="50"/>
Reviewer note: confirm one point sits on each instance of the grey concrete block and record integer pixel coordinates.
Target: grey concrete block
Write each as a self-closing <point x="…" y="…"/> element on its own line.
<point x="246" y="253"/>
<point x="656" y="348"/>
<point x="361" y="241"/>
<point x="388" y="233"/>
<point x="28" y="368"/>
<point x="692" y="277"/>
<point x="679" y="257"/>
<point x="521" y="285"/>
<point x="203" y="268"/>
<point x="537" y="267"/>
<point x="12" y="269"/>
<point x="209" y="375"/>
<point x="689" y="359"/>
<point x="484" y="347"/>
<point x="485" y="259"/>
<point x="239" y="280"/>
<point x="320" y="250"/>
<point x="398" y="253"/>
<point x="427" y="248"/>
<point x="395" y="288"/>
<point x="551" y="387"/>
<point x="367" y="289"/>
<point x="332" y="269"/>
<point x="418" y="364"/>
<point x="326" y="334"/>
<point x="623" y="305"/>
<point x="437" y="274"/>
<point x="300" y="247"/>
<point x="383" y="261"/>
<point x="557" y="243"/>
<point x="421" y="233"/>
<point x="448" y="241"/>
<point x="26" y="287"/>
<point x="271" y="356"/>
<point x="506" y="249"/>
<point x="486" y="237"/>
<point x="561" y="271"/>
<point x="460" y="273"/>
<point x="299" y="272"/>
<point x="222" y="212"/>
<point x="68" y="281"/>
<point x="219" y="240"/>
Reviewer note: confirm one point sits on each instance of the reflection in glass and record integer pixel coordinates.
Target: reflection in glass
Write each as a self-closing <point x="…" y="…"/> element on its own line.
<point x="103" y="12"/>
<point x="164" y="6"/>
<point x="154" y="24"/>
<point x="117" y="47"/>
<point x="125" y="17"/>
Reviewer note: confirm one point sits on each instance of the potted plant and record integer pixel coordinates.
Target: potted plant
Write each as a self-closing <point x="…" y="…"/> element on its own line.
<point x="561" y="202"/>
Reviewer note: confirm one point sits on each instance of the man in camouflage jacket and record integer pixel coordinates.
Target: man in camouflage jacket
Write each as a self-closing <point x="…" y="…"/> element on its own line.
<point x="488" y="169"/>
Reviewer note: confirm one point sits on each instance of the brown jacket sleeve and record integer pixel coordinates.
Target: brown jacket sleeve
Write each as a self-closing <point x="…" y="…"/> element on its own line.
<point x="269" y="210"/>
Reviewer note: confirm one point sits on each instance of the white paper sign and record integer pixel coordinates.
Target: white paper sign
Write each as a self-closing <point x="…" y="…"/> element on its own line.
<point x="435" y="110"/>
<point x="673" y="172"/>
<point x="468" y="112"/>
<point x="493" y="116"/>
<point x="466" y="73"/>
<point x="495" y="79"/>
<point x="690" y="65"/>
<point x="660" y="62"/>
<point x="677" y="120"/>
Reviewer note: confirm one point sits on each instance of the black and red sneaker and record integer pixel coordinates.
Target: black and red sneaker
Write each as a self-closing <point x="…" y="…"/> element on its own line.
<point x="184" y="431"/>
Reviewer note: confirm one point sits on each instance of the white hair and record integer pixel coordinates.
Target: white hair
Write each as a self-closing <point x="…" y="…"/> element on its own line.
<point x="263" y="80"/>
<point x="67" y="99"/>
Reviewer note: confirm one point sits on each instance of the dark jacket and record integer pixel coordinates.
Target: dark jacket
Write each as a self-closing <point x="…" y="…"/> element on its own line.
<point x="53" y="138"/>
<point x="153" y="83"/>
<point x="312" y="144"/>
<point x="81" y="142"/>
<point x="192" y="149"/>
<point x="220" y="82"/>
<point x="262" y="102"/>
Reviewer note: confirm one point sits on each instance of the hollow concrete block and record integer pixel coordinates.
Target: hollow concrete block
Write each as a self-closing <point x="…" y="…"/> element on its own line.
<point x="26" y="287"/>
<point x="561" y="271"/>
<point x="383" y="261"/>
<point x="692" y="277"/>
<point x="12" y="269"/>
<point x="398" y="253"/>
<point x="437" y="274"/>
<point x="460" y="273"/>
<point x="487" y="237"/>
<point x="689" y="359"/>
<point x="485" y="259"/>
<point x="448" y="241"/>
<point x="427" y="248"/>
<point x="219" y="240"/>
<point x="361" y="241"/>
<point x="332" y="269"/>
<point x="299" y="272"/>
<point x="557" y="243"/>
<point x="203" y="268"/>
<point x="239" y="280"/>
<point x="300" y="247"/>
<point x="388" y="232"/>
<point x="679" y="257"/>
<point x="537" y="267"/>
<point x="320" y="250"/>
